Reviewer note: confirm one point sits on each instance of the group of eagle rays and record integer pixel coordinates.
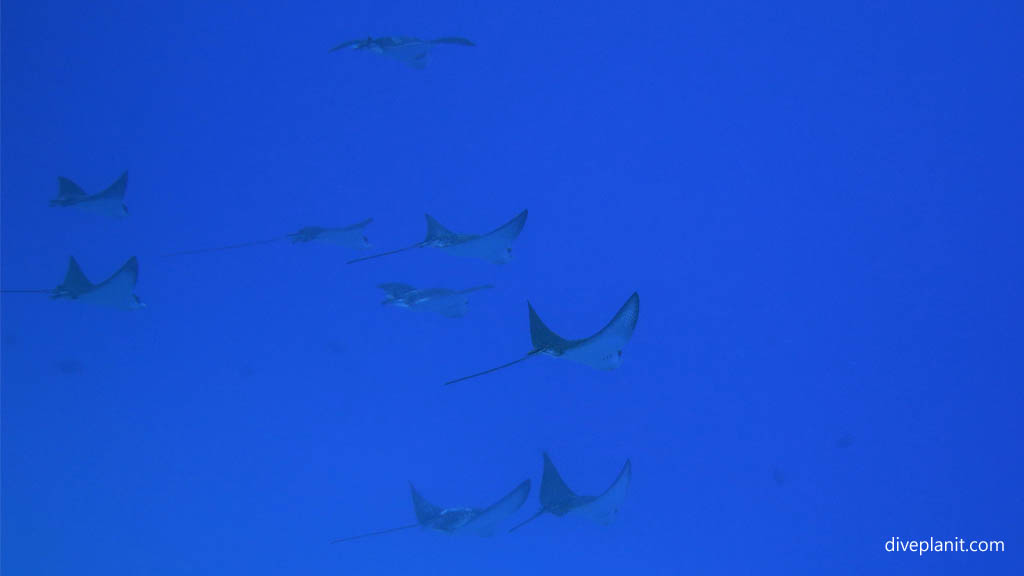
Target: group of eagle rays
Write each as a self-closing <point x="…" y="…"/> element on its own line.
<point x="601" y="350"/>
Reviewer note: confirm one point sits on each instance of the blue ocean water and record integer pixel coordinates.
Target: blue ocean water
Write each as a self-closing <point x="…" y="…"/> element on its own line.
<point x="818" y="204"/>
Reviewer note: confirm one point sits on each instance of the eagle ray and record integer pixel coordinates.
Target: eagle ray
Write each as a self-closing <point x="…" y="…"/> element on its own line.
<point x="558" y="499"/>
<point x="494" y="246"/>
<point x="478" y="521"/>
<point x="117" y="291"/>
<point x="110" y="201"/>
<point x="414" y="52"/>
<point x="449" y="303"/>
<point x="602" y="350"/>
<point x="351" y="236"/>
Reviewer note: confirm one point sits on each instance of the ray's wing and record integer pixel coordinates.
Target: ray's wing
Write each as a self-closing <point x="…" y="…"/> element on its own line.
<point x="75" y="280"/>
<point x="620" y="329"/>
<point x="453" y="40"/>
<point x="362" y="224"/>
<point x="306" y="234"/>
<point x="399" y="41"/>
<point x="67" y="192"/>
<point x="395" y="289"/>
<point x="553" y="489"/>
<point x="542" y="337"/>
<point x="425" y="511"/>
<point x="117" y="291"/>
<point x="124" y="279"/>
<point x="413" y="51"/>
<point x="485" y="521"/>
<point x="496" y="245"/>
<point x="116" y="190"/>
<point x="510" y="230"/>
<point x="343" y="45"/>
<point x="476" y="289"/>
<point x="438" y="233"/>
<point x="602" y="509"/>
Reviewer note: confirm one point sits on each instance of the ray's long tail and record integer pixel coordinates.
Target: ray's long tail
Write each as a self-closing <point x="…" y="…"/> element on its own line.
<point x="388" y="253"/>
<point x="495" y="369"/>
<point x="527" y="521"/>
<point x="377" y="533"/>
<point x="476" y="288"/>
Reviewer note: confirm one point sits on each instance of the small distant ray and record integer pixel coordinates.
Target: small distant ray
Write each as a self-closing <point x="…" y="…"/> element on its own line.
<point x="351" y="236"/>
<point x="335" y="346"/>
<point x="494" y="246"/>
<point x="602" y="350"/>
<point x="476" y="521"/>
<point x="844" y="441"/>
<point x="109" y="202"/>
<point x="117" y="291"/>
<point x="558" y="499"/>
<point x="69" y="366"/>
<point x="414" y="52"/>
<point x="448" y="303"/>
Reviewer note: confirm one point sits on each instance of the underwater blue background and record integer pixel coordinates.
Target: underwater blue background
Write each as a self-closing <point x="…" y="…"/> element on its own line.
<point x="818" y="203"/>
